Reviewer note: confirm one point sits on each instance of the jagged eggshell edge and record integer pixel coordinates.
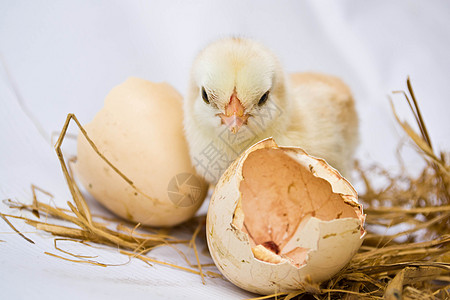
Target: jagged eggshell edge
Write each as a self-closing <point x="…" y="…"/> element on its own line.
<point x="333" y="243"/>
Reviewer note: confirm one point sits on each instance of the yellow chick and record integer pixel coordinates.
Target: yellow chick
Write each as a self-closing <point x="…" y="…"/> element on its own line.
<point x="239" y="94"/>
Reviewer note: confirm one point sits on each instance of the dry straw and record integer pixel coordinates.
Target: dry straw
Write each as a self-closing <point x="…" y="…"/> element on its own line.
<point x="412" y="262"/>
<point x="125" y="236"/>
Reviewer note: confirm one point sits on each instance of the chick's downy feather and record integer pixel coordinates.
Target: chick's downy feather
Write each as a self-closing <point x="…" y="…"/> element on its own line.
<point x="239" y="94"/>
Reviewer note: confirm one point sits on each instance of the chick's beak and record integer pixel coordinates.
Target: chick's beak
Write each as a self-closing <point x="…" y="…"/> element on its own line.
<point x="235" y="115"/>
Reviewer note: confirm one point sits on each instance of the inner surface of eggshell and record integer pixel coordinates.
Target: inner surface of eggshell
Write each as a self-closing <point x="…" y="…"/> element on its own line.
<point x="278" y="197"/>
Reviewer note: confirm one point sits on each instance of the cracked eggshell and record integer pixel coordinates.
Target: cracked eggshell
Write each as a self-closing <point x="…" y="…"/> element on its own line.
<point x="279" y="217"/>
<point x="139" y="129"/>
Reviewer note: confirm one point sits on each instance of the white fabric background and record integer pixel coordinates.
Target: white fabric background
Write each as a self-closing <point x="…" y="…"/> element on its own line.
<point x="64" y="56"/>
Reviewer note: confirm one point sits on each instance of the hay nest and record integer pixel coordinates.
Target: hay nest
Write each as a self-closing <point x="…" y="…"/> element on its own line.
<point x="405" y="255"/>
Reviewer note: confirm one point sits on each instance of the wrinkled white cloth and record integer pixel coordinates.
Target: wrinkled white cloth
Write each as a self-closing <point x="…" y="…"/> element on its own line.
<point x="65" y="56"/>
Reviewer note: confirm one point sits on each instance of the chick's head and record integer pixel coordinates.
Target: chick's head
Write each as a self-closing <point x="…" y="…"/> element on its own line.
<point x="239" y="84"/>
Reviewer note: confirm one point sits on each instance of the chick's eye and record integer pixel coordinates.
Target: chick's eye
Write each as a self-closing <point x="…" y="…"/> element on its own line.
<point x="205" y="96"/>
<point x="263" y="98"/>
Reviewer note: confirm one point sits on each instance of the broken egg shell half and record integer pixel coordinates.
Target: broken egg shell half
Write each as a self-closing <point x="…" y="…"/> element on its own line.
<point x="140" y="131"/>
<point x="280" y="217"/>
